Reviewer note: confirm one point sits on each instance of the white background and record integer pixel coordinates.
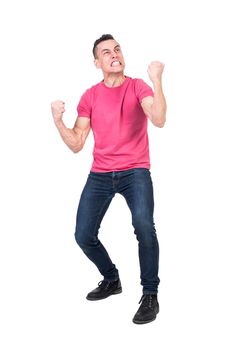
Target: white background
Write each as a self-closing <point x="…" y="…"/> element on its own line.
<point x="46" y="55"/>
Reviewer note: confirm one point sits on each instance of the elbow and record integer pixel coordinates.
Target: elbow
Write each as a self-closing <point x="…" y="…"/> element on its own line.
<point x="160" y="125"/>
<point x="75" y="148"/>
<point x="159" y="122"/>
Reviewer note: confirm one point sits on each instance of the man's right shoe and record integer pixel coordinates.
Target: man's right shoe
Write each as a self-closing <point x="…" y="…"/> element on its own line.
<point x="105" y="289"/>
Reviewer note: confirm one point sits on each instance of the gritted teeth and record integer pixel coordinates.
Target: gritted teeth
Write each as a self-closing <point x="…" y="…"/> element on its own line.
<point x="115" y="63"/>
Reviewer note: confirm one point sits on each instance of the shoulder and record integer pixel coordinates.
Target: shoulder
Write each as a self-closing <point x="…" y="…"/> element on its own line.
<point x="136" y="83"/>
<point x="142" y="89"/>
<point x="139" y="82"/>
<point x="93" y="88"/>
<point x="90" y="93"/>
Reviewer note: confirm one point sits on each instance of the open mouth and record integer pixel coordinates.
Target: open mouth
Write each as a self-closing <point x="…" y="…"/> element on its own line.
<point x="115" y="64"/>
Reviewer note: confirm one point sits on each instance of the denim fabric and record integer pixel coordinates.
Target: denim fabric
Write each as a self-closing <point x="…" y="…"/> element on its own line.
<point x="136" y="187"/>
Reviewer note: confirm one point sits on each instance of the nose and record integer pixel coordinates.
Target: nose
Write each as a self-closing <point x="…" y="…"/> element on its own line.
<point x="114" y="54"/>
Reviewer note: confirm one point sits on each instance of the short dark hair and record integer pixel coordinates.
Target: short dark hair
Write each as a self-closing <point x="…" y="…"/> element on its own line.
<point x="104" y="37"/>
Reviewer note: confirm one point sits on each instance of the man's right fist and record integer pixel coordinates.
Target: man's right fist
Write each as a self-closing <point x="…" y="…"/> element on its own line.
<point x="57" y="108"/>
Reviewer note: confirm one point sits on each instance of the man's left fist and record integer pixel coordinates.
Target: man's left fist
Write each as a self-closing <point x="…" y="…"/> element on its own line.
<point x="155" y="71"/>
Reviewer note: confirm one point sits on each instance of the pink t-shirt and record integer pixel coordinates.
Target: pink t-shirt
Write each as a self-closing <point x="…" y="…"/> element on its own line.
<point x="119" y="125"/>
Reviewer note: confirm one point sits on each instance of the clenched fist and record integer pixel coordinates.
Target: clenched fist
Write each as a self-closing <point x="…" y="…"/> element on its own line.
<point x="155" y="71"/>
<point x="57" y="108"/>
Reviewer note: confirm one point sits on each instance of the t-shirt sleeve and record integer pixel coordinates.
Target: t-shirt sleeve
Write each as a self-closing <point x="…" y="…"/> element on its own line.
<point x="84" y="108"/>
<point x="142" y="89"/>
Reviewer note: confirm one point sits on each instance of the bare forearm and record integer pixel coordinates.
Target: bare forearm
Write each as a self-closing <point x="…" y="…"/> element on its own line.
<point x="69" y="136"/>
<point x="159" y="106"/>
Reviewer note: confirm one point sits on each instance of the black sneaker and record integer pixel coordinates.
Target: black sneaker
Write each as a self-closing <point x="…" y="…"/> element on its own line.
<point x="105" y="289"/>
<point x="148" y="310"/>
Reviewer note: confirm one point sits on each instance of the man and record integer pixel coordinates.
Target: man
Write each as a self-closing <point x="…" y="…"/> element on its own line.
<point x="116" y="109"/>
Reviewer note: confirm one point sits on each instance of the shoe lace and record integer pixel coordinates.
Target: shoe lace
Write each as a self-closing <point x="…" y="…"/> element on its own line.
<point x="146" y="300"/>
<point x="103" y="284"/>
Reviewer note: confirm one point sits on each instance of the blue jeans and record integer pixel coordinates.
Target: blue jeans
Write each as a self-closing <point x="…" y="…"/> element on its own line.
<point x="136" y="187"/>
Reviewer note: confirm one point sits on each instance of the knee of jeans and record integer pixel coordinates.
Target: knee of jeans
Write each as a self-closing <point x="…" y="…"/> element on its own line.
<point x="143" y="223"/>
<point x="146" y="239"/>
<point x="145" y="231"/>
<point x="81" y="238"/>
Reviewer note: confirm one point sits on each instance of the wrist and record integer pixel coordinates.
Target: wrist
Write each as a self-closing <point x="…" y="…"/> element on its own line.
<point x="58" y="121"/>
<point x="157" y="82"/>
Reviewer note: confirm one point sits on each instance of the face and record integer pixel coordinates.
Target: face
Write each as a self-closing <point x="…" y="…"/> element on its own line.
<point x="109" y="57"/>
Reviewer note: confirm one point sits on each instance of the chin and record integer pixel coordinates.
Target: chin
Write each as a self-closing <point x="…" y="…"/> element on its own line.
<point x="117" y="69"/>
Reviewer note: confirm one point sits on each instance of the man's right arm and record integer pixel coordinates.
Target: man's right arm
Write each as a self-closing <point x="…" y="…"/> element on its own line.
<point x="74" y="138"/>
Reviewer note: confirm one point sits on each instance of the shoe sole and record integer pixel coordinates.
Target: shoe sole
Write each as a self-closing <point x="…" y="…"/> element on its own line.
<point x="117" y="291"/>
<point x="143" y="322"/>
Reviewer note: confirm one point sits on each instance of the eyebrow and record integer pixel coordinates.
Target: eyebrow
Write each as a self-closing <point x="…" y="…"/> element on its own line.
<point x="117" y="46"/>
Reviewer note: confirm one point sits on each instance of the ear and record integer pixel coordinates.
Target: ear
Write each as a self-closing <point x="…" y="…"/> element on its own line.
<point x="97" y="63"/>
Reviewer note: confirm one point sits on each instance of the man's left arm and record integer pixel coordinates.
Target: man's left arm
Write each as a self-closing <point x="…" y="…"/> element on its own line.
<point x="155" y="107"/>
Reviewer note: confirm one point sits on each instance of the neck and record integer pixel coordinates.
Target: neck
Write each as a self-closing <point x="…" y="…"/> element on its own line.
<point x="114" y="80"/>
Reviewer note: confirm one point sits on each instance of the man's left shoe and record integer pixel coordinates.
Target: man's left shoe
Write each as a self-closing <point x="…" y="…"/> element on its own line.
<point x="148" y="310"/>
